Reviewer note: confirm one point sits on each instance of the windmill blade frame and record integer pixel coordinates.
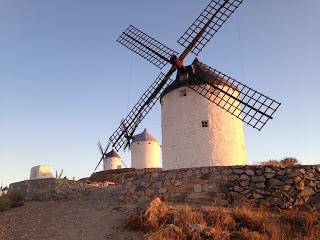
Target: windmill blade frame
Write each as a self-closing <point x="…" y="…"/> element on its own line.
<point x="141" y="109"/>
<point x="243" y="102"/>
<point x="215" y="15"/>
<point x="146" y="46"/>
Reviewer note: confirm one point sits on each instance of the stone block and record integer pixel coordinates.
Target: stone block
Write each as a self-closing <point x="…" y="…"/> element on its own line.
<point x="250" y="172"/>
<point x="244" y="177"/>
<point x="258" y="179"/>
<point x="162" y="190"/>
<point x="275" y="182"/>
<point x="197" y="188"/>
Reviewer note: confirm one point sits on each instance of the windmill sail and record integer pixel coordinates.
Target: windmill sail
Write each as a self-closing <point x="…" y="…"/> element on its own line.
<point x="243" y="102"/>
<point x="217" y="13"/>
<point x="139" y="111"/>
<point x="146" y="46"/>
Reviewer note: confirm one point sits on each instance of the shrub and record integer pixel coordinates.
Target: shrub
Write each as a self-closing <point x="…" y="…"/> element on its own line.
<point x="163" y="221"/>
<point x="16" y="199"/>
<point x="286" y="162"/>
<point x="4" y="203"/>
<point x="11" y="200"/>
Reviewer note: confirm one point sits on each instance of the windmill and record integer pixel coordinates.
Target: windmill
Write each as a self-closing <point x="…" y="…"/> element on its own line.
<point x="220" y="90"/>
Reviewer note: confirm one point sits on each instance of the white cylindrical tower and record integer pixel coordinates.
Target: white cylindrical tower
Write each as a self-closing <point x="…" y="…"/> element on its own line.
<point x="112" y="161"/>
<point x="145" y="151"/>
<point x="198" y="133"/>
<point x="41" y="171"/>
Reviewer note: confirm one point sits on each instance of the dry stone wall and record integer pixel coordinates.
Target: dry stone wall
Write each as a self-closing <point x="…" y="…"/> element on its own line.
<point x="116" y="176"/>
<point x="262" y="185"/>
<point x="49" y="188"/>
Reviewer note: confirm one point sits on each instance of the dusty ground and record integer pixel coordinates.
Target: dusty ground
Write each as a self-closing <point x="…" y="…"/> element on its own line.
<point x="99" y="215"/>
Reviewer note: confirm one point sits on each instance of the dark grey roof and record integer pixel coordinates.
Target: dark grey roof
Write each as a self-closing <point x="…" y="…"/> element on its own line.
<point x="111" y="154"/>
<point x="144" y="136"/>
<point x="197" y="79"/>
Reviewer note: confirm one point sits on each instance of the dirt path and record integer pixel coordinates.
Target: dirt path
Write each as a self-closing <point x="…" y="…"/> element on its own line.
<point x="100" y="215"/>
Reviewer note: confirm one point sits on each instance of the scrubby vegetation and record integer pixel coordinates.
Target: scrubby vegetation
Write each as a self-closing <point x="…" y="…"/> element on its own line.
<point x="162" y="221"/>
<point x="286" y="162"/>
<point x="10" y="200"/>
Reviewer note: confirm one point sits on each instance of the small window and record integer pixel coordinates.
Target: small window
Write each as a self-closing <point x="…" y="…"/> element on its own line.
<point x="183" y="93"/>
<point x="204" y="123"/>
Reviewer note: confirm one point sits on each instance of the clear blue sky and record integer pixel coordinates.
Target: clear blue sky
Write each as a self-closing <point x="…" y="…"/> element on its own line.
<point x="66" y="83"/>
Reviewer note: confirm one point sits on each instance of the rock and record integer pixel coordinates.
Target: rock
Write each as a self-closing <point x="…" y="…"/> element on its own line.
<point x="281" y="173"/>
<point x="269" y="170"/>
<point x="303" y="171"/>
<point x="257" y="179"/>
<point x="238" y="171"/>
<point x="300" y="186"/>
<point x="244" y="183"/>
<point x="277" y="202"/>
<point x="307" y="191"/>
<point x="297" y="179"/>
<point x="269" y="175"/>
<point x="312" y="184"/>
<point x="286" y="187"/>
<point x="244" y="177"/>
<point x="178" y="183"/>
<point x="237" y="189"/>
<point x="250" y="172"/>
<point x="155" y="175"/>
<point x="233" y="177"/>
<point x="235" y="195"/>
<point x="275" y="182"/>
<point x="256" y="195"/>
<point x="197" y="188"/>
<point x="260" y="191"/>
<point x="162" y="190"/>
<point x="276" y="194"/>
<point x="260" y="185"/>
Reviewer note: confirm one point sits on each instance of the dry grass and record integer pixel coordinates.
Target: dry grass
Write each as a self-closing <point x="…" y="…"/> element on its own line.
<point x="162" y="221"/>
<point x="286" y="162"/>
<point x="10" y="200"/>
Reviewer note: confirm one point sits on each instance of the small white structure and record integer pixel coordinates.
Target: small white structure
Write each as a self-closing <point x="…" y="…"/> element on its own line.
<point x="41" y="171"/>
<point x="112" y="160"/>
<point x="196" y="132"/>
<point x="145" y="151"/>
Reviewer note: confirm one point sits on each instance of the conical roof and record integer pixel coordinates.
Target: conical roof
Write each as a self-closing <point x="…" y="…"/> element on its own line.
<point x="111" y="154"/>
<point x="202" y="75"/>
<point x="144" y="136"/>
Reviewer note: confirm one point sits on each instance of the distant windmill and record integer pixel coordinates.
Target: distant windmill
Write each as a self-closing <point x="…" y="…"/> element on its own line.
<point x="241" y="101"/>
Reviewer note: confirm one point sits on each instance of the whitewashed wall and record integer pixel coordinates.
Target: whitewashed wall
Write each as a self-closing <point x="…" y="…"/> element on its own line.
<point x="145" y="154"/>
<point x="110" y="163"/>
<point x="41" y="171"/>
<point x="185" y="143"/>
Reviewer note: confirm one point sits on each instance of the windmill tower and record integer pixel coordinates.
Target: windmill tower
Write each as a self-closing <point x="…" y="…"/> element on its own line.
<point x="217" y="137"/>
<point x="212" y="137"/>
<point x="41" y="171"/>
<point x="145" y="151"/>
<point x="112" y="160"/>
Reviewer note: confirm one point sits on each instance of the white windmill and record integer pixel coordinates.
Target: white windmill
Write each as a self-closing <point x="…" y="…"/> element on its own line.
<point x="203" y="109"/>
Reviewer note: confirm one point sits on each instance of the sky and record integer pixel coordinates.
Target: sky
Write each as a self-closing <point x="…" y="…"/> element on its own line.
<point x="65" y="82"/>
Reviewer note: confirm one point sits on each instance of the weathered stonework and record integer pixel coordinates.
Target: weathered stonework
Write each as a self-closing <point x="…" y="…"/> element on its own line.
<point x="117" y="175"/>
<point x="50" y="188"/>
<point x="270" y="186"/>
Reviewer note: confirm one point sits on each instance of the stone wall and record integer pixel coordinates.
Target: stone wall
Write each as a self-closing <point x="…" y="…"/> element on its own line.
<point x="49" y="188"/>
<point x="261" y="185"/>
<point x="116" y="175"/>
